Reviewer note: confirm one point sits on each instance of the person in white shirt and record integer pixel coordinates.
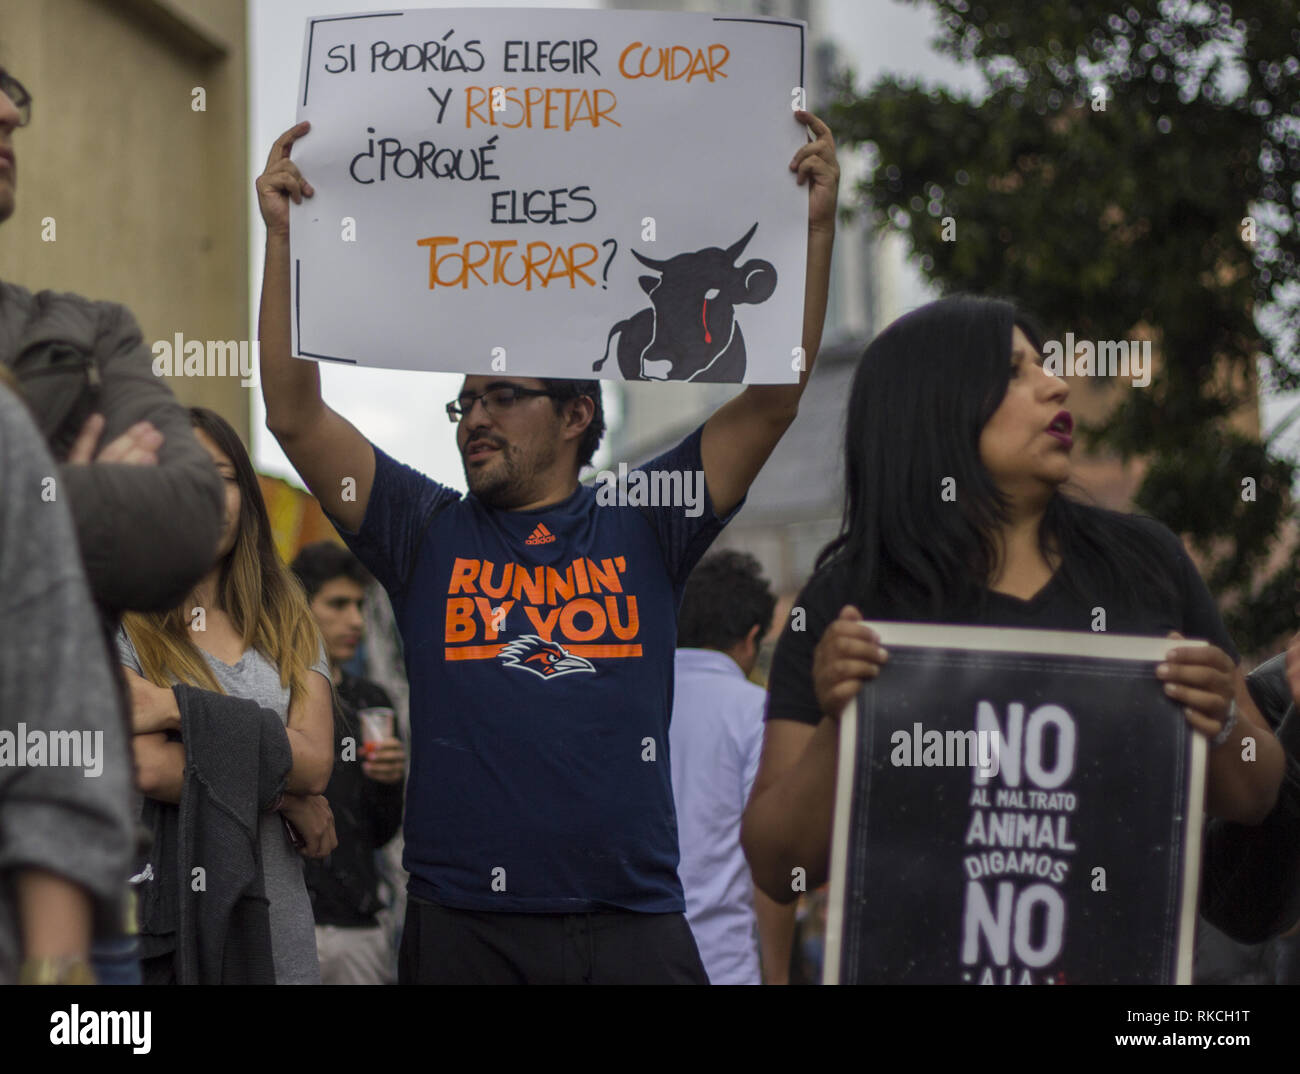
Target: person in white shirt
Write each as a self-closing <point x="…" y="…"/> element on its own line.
<point x="714" y="741"/>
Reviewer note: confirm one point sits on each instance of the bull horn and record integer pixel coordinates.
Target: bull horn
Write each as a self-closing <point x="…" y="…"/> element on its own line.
<point x="658" y="266"/>
<point x="734" y="252"/>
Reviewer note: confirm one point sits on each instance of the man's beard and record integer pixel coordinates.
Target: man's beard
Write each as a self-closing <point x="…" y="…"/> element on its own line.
<point x="504" y="482"/>
<point x="510" y="481"/>
<point x="498" y="487"/>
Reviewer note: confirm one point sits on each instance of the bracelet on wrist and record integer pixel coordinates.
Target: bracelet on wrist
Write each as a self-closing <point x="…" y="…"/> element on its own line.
<point x="60" y="970"/>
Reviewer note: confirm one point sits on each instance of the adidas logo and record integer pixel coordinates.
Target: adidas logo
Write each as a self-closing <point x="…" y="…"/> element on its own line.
<point x="541" y="535"/>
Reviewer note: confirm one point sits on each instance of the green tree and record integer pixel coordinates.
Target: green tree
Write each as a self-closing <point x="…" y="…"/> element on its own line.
<point x="1129" y="164"/>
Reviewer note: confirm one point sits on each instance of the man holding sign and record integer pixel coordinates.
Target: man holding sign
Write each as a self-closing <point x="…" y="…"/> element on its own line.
<point x="539" y="625"/>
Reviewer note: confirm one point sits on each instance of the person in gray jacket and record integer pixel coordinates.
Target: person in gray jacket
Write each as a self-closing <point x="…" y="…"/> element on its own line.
<point x="65" y="828"/>
<point x="146" y="531"/>
<point x="146" y="501"/>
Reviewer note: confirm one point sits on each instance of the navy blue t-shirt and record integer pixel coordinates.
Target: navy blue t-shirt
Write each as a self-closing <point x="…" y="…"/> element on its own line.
<point x="539" y="648"/>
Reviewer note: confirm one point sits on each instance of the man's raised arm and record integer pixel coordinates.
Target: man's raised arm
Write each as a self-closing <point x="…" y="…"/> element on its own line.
<point x="332" y="457"/>
<point x="740" y="436"/>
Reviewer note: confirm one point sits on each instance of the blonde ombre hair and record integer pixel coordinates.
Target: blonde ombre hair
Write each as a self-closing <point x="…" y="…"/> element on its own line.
<point x="256" y="590"/>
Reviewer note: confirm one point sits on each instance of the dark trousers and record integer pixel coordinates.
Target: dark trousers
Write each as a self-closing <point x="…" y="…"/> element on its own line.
<point x="116" y="961"/>
<point x="444" y="946"/>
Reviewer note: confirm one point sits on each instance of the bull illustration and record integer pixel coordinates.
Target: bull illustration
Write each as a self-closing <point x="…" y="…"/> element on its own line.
<point x="690" y="330"/>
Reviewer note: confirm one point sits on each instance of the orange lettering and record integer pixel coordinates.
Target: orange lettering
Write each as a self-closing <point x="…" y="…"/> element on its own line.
<point x="543" y="626"/>
<point x="531" y="583"/>
<point x="583" y="113"/>
<point x="460" y="619"/>
<point x="699" y="66"/>
<point x="672" y="63"/>
<point x="622" y="60"/>
<point x="583" y="605"/>
<point x="463" y="573"/>
<point x="533" y="96"/>
<point x="623" y="633"/>
<point x="605" y="575"/>
<point x="499" y="264"/>
<point x="546" y="108"/>
<point x="674" y="71"/>
<point x="472" y="266"/>
<point x="717" y="64"/>
<point x="532" y="264"/>
<point x="485" y="580"/>
<point x="551" y="107"/>
<point x="565" y="269"/>
<point x="557" y="584"/>
<point x="578" y="266"/>
<point x="472" y="108"/>
<point x="513" y="98"/>
<point x="541" y="263"/>
<point x="433" y="242"/>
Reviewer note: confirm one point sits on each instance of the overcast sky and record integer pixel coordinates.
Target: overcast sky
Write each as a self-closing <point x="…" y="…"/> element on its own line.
<point x="403" y="411"/>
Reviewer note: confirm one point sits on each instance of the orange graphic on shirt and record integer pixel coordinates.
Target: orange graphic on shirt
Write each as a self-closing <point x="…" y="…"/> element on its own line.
<point x="582" y="611"/>
<point x="541" y="535"/>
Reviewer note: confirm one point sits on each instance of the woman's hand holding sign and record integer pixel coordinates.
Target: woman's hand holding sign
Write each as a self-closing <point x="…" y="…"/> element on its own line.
<point x="1201" y="679"/>
<point x="1245" y="763"/>
<point x="848" y="654"/>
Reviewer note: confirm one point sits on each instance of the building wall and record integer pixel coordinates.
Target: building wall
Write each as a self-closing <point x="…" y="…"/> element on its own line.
<point x="147" y="195"/>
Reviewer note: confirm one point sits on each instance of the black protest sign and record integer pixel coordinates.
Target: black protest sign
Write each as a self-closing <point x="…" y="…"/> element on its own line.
<point x="1015" y="807"/>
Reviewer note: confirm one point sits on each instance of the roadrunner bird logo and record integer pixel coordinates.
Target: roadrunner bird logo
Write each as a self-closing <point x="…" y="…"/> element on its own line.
<point x="543" y="658"/>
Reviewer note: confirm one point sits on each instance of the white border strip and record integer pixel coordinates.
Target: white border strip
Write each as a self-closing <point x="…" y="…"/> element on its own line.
<point x="1101" y="645"/>
<point x="840" y="842"/>
<point x="1192" y="858"/>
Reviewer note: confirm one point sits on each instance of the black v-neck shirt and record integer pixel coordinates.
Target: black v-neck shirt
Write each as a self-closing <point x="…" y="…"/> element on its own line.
<point x="1190" y="611"/>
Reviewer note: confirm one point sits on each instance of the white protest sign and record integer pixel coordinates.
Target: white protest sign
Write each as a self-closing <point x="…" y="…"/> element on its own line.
<point x="552" y="193"/>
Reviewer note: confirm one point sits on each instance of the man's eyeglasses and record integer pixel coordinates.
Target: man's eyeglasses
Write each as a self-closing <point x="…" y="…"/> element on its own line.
<point x="17" y="92"/>
<point x="495" y="401"/>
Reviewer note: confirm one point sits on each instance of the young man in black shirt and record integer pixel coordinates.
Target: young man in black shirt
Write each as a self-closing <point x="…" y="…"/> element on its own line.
<point x="365" y="791"/>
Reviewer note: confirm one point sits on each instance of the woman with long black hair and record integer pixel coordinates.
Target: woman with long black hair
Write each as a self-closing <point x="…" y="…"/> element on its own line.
<point x="957" y="448"/>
